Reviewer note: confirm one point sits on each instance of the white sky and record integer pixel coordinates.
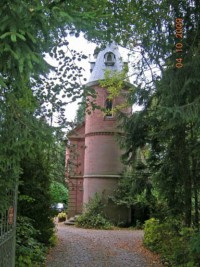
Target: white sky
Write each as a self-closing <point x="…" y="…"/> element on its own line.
<point x="80" y="44"/>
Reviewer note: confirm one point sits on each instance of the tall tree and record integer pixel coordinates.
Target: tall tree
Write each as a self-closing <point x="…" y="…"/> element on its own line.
<point x="165" y="34"/>
<point x="28" y="30"/>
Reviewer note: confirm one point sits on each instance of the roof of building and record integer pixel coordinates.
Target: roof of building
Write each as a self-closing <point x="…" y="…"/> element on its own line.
<point x="78" y="132"/>
<point x="109" y="58"/>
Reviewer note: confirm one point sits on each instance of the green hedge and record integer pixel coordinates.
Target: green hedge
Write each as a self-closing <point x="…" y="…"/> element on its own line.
<point x="179" y="246"/>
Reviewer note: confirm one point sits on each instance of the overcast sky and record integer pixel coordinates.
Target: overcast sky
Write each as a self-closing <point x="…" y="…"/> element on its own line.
<point x="79" y="44"/>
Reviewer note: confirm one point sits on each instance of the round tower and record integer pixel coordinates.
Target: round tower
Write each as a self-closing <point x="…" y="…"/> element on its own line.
<point x="102" y="166"/>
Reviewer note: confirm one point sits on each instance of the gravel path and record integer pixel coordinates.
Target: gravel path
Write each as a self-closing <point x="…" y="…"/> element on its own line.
<point x="99" y="248"/>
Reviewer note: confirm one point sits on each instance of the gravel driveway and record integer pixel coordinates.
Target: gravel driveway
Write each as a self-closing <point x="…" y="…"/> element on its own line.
<point x="99" y="248"/>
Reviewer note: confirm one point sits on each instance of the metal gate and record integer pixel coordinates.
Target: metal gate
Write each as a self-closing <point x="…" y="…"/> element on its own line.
<point x="8" y="231"/>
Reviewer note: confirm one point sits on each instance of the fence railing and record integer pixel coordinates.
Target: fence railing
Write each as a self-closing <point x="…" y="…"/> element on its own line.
<point x="8" y="231"/>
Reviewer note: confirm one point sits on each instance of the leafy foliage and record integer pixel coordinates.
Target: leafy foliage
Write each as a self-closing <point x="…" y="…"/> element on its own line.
<point x="135" y="188"/>
<point x="168" y="123"/>
<point x="195" y="247"/>
<point x="80" y="114"/>
<point x="58" y="192"/>
<point x="35" y="183"/>
<point x="115" y="82"/>
<point x="93" y="216"/>
<point x="176" y="244"/>
<point x="169" y="120"/>
<point x="56" y="156"/>
<point x="24" y="88"/>
<point x="30" y="252"/>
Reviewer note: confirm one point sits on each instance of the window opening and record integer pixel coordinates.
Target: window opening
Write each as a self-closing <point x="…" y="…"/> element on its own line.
<point x="109" y="59"/>
<point x="108" y="106"/>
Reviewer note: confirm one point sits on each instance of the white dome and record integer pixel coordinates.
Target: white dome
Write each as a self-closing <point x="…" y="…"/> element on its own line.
<point x="109" y="58"/>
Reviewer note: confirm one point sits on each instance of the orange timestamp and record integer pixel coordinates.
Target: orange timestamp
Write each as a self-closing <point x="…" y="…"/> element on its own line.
<point x="179" y="44"/>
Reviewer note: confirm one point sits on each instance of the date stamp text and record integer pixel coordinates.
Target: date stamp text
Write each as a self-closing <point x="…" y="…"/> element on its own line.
<point x="179" y="42"/>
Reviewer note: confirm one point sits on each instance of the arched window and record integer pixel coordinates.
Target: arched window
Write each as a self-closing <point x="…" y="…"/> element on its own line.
<point x="108" y="107"/>
<point x="109" y="59"/>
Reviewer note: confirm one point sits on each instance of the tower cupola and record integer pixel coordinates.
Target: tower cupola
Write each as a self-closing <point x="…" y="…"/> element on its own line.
<point x="109" y="58"/>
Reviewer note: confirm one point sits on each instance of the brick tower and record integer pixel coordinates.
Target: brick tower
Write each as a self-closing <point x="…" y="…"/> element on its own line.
<point x="101" y="164"/>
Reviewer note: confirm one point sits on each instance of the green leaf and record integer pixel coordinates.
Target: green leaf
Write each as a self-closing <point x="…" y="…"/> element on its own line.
<point x="21" y="65"/>
<point x="5" y="35"/>
<point x="13" y="37"/>
<point x="66" y="15"/>
<point x="2" y="83"/>
<point x="21" y="36"/>
<point x="31" y="37"/>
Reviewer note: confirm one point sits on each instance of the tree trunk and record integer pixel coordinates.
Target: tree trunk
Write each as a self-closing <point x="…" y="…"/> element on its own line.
<point x="186" y="174"/>
<point x="196" y="206"/>
<point x="188" y="201"/>
<point x="195" y="190"/>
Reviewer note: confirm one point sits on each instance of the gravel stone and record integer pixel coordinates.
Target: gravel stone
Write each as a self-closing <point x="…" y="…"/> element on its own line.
<point x="98" y="248"/>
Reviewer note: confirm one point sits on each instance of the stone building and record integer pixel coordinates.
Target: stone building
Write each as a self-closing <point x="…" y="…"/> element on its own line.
<point x="93" y="157"/>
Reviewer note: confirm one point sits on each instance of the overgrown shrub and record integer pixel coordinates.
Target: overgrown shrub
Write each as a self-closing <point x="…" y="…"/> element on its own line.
<point x="36" y="202"/>
<point x="179" y="246"/>
<point x="29" y="252"/>
<point x="152" y="237"/>
<point x="93" y="216"/>
<point x="195" y="248"/>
